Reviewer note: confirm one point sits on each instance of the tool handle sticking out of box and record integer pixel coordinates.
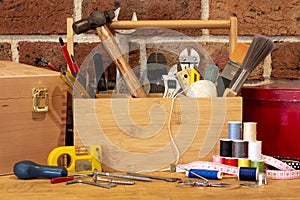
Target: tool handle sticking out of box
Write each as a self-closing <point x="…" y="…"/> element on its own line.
<point x="27" y="170"/>
<point x="98" y="20"/>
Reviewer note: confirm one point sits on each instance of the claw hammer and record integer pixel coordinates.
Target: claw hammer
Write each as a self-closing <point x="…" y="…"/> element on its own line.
<point x="97" y="20"/>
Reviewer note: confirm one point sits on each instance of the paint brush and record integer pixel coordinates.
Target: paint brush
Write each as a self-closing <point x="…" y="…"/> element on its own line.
<point x="232" y="67"/>
<point x="259" y="49"/>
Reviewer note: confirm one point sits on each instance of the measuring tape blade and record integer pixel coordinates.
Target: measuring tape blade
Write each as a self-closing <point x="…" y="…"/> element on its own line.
<point x="285" y="171"/>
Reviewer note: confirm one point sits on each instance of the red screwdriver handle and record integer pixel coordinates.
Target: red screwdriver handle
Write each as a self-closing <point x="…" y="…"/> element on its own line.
<point x="62" y="179"/>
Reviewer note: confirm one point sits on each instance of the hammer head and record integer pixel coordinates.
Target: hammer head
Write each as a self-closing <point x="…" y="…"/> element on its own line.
<point x="94" y="20"/>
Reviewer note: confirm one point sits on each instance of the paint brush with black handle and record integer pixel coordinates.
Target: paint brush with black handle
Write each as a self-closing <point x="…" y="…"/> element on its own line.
<point x="259" y="49"/>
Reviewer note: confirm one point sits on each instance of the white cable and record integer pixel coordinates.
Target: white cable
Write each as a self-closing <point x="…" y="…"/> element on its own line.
<point x="169" y="126"/>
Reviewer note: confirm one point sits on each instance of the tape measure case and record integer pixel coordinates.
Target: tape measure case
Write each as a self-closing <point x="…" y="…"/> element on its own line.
<point x="33" y="103"/>
<point x="134" y="133"/>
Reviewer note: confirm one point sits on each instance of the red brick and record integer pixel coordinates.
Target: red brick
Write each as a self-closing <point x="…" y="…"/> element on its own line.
<point x="29" y="51"/>
<point x="5" y="51"/>
<point x="155" y="9"/>
<point x="35" y="16"/>
<point x="264" y="17"/>
<point x="257" y="73"/>
<point x="84" y="52"/>
<point x="51" y="51"/>
<point x="286" y="61"/>
<point x="149" y="10"/>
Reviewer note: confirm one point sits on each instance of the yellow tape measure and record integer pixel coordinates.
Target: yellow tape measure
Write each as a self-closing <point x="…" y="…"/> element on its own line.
<point x="77" y="160"/>
<point x="194" y="76"/>
<point x="187" y="77"/>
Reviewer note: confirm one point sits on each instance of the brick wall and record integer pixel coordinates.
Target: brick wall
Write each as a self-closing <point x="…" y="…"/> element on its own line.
<point x="31" y="28"/>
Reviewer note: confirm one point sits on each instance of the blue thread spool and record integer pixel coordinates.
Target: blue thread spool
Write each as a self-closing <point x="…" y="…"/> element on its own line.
<point x="234" y="130"/>
<point x="209" y="174"/>
<point x="248" y="173"/>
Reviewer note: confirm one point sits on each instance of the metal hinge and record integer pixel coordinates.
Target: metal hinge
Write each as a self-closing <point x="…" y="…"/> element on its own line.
<point x="40" y="99"/>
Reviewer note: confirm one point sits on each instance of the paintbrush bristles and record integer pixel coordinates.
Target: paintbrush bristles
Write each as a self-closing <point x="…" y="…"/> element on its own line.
<point x="259" y="49"/>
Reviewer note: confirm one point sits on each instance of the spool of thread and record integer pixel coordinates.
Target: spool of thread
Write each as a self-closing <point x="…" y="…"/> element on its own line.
<point x="218" y="159"/>
<point x="231" y="162"/>
<point x="248" y="173"/>
<point x="254" y="150"/>
<point x="239" y="149"/>
<point x="260" y="164"/>
<point x="202" y="88"/>
<point x="209" y="174"/>
<point x="249" y="131"/>
<point x="234" y="130"/>
<point x="243" y="162"/>
<point x="225" y="147"/>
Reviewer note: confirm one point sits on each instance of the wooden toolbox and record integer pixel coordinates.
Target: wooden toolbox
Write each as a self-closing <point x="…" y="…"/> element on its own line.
<point x="32" y="113"/>
<point x="135" y="132"/>
<point x="146" y="134"/>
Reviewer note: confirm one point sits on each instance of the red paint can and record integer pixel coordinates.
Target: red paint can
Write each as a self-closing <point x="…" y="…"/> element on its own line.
<point x="276" y="109"/>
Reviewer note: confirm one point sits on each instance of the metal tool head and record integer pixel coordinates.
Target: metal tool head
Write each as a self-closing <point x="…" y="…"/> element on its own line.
<point x="162" y="178"/>
<point x="189" y="59"/>
<point x="94" y="20"/>
<point x="107" y="186"/>
<point x="202" y="184"/>
<point x="125" y="32"/>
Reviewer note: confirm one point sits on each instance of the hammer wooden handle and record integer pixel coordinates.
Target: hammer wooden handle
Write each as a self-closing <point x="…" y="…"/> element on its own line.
<point x="109" y="43"/>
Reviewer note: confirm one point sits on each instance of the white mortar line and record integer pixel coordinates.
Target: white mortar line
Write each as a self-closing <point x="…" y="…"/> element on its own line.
<point x="77" y="9"/>
<point x="205" y="14"/>
<point x="143" y="59"/>
<point x="267" y="67"/>
<point x="91" y="38"/>
<point x="14" y="51"/>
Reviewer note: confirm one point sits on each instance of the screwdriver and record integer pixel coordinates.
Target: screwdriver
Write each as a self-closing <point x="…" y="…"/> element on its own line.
<point x="27" y="170"/>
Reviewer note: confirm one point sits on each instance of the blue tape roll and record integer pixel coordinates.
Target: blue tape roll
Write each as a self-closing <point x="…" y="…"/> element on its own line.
<point x="208" y="174"/>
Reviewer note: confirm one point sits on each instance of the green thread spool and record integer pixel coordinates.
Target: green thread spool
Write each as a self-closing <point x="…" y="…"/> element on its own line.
<point x="258" y="163"/>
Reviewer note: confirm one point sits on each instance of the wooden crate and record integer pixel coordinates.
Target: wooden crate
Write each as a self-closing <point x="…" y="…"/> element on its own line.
<point x="135" y="135"/>
<point x="25" y="134"/>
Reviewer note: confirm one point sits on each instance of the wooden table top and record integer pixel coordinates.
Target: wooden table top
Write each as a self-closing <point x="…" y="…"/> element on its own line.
<point x="13" y="188"/>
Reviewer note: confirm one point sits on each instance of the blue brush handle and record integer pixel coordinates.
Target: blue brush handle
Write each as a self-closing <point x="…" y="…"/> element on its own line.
<point x="27" y="170"/>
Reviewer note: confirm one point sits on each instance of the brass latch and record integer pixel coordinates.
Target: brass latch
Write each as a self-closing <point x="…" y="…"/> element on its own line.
<point x="40" y="99"/>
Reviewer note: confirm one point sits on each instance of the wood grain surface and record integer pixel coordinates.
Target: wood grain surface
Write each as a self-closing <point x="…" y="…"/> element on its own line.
<point x="13" y="188"/>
